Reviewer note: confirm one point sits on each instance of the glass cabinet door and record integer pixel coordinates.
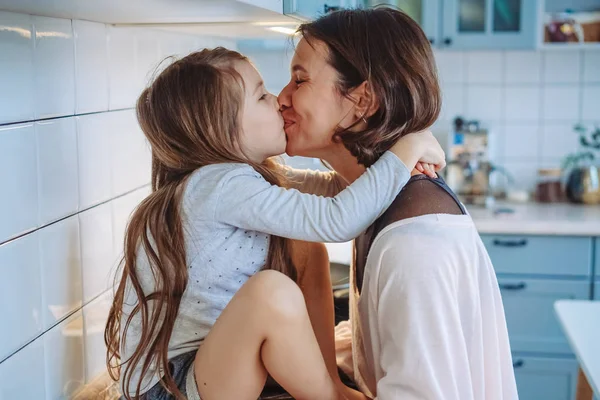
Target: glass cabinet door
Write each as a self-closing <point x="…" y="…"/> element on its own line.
<point x="425" y="12"/>
<point x="490" y="23"/>
<point x="308" y="9"/>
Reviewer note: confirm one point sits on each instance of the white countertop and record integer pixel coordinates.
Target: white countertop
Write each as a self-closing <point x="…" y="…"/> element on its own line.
<point x="538" y="219"/>
<point x="580" y="320"/>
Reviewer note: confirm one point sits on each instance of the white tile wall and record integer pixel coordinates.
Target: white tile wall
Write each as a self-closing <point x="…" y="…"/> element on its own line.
<point x="54" y="67"/>
<point x="71" y="172"/>
<point x="484" y="67"/>
<point x="522" y="67"/>
<point x="522" y="103"/>
<point x="485" y="102"/>
<point x="60" y="261"/>
<point x="146" y="43"/>
<point x="558" y="139"/>
<point x="130" y="152"/>
<point x="20" y="293"/>
<point x="451" y="67"/>
<point x="122" y="209"/>
<point x="521" y="142"/>
<point x="91" y="66"/>
<point x="18" y="178"/>
<point x="94" y="133"/>
<point x="64" y="358"/>
<point x="97" y="253"/>
<point x="453" y="101"/>
<point x="94" y="320"/>
<point x="16" y="71"/>
<point x="23" y="375"/>
<point x="123" y="88"/>
<point x="591" y="66"/>
<point x="562" y="67"/>
<point x="57" y="169"/>
<point x="561" y="103"/>
<point x="590" y="110"/>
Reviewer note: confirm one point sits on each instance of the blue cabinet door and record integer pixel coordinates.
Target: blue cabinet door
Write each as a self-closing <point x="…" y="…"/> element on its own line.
<point x="540" y="255"/>
<point x="529" y="309"/>
<point x="425" y="12"/>
<point x="545" y="378"/>
<point x="491" y="24"/>
<point x="307" y="9"/>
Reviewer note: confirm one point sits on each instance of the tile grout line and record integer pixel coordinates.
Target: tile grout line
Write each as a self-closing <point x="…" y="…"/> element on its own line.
<point x="58" y="322"/>
<point x="31" y="121"/>
<point x="74" y="214"/>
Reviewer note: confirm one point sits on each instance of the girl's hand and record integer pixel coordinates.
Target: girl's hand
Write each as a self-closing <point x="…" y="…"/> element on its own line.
<point x="427" y="169"/>
<point x="423" y="148"/>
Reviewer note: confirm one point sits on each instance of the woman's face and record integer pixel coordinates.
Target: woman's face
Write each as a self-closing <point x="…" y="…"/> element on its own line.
<point x="311" y="106"/>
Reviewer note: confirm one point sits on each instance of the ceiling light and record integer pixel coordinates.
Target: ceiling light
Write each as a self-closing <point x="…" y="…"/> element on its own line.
<point x="281" y="29"/>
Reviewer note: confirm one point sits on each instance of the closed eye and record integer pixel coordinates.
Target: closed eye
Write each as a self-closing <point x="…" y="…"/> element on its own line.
<point x="264" y="96"/>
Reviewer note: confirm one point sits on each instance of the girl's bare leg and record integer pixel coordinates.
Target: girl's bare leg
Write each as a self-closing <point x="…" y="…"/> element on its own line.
<point x="265" y="329"/>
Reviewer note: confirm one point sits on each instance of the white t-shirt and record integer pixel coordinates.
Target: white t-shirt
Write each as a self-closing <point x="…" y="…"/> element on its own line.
<point x="429" y="323"/>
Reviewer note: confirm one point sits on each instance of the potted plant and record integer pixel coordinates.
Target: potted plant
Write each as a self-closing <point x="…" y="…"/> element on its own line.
<point x="583" y="167"/>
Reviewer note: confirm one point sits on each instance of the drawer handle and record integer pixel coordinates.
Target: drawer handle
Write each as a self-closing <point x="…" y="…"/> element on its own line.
<point x="510" y="243"/>
<point x="513" y="286"/>
<point x="518" y="364"/>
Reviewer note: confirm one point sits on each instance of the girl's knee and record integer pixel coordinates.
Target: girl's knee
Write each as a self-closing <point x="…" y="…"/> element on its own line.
<point x="276" y="293"/>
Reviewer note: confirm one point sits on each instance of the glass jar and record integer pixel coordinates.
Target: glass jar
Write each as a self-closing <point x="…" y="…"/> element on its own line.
<point x="549" y="187"/>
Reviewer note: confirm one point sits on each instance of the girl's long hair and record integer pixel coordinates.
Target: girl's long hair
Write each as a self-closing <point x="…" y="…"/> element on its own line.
<point x="190" y="115"/>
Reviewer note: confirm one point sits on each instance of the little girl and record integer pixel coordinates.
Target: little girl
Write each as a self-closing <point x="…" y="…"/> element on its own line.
<point x="192" y="315"/>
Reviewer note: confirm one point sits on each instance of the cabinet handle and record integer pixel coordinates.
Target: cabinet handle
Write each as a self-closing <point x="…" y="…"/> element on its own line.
<point x="448" y="41"/>
<point x="518" y="364"/>
<point x="431" y="40"/>
<point x="510" y="243"/>
<point x="513" y="286"/>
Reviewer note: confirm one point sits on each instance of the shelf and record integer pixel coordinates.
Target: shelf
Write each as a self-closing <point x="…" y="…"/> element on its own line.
<point x="570" y="46"/>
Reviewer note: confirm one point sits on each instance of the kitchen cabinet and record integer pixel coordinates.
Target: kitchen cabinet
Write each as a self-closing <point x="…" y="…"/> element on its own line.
<point x="529" y="310"/>
<point x="543" y="255"/>
<point x="475" y="24"/>
<point x="312" y="9"/>
<point x="303" y="9"/>
<point x="425" y="12"/>
<point x="490" y="24"/>
<point x="545" y="378"/>
<point x="533" y="272"/>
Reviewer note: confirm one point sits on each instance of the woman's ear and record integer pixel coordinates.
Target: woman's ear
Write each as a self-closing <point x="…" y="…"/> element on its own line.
<point x="365" y="100"/>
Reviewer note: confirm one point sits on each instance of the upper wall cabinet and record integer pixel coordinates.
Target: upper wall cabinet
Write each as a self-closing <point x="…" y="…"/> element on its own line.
<point x="474" y="24"/>
<point x="425" y="12"/>
<point x="312" y="9"/>
<point x="490" y="24"/>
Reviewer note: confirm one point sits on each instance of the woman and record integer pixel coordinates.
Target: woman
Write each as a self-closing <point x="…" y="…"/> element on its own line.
<point x="430" y="322"/>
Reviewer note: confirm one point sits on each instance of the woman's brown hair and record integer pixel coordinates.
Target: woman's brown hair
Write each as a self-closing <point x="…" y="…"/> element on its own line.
<point x="190" y="115"/>
<point x="387" y="49"/>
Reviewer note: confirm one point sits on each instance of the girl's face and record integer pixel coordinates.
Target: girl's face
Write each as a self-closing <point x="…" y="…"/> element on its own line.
<point x="262" y="133"/>
<point x="312" y="107"/>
